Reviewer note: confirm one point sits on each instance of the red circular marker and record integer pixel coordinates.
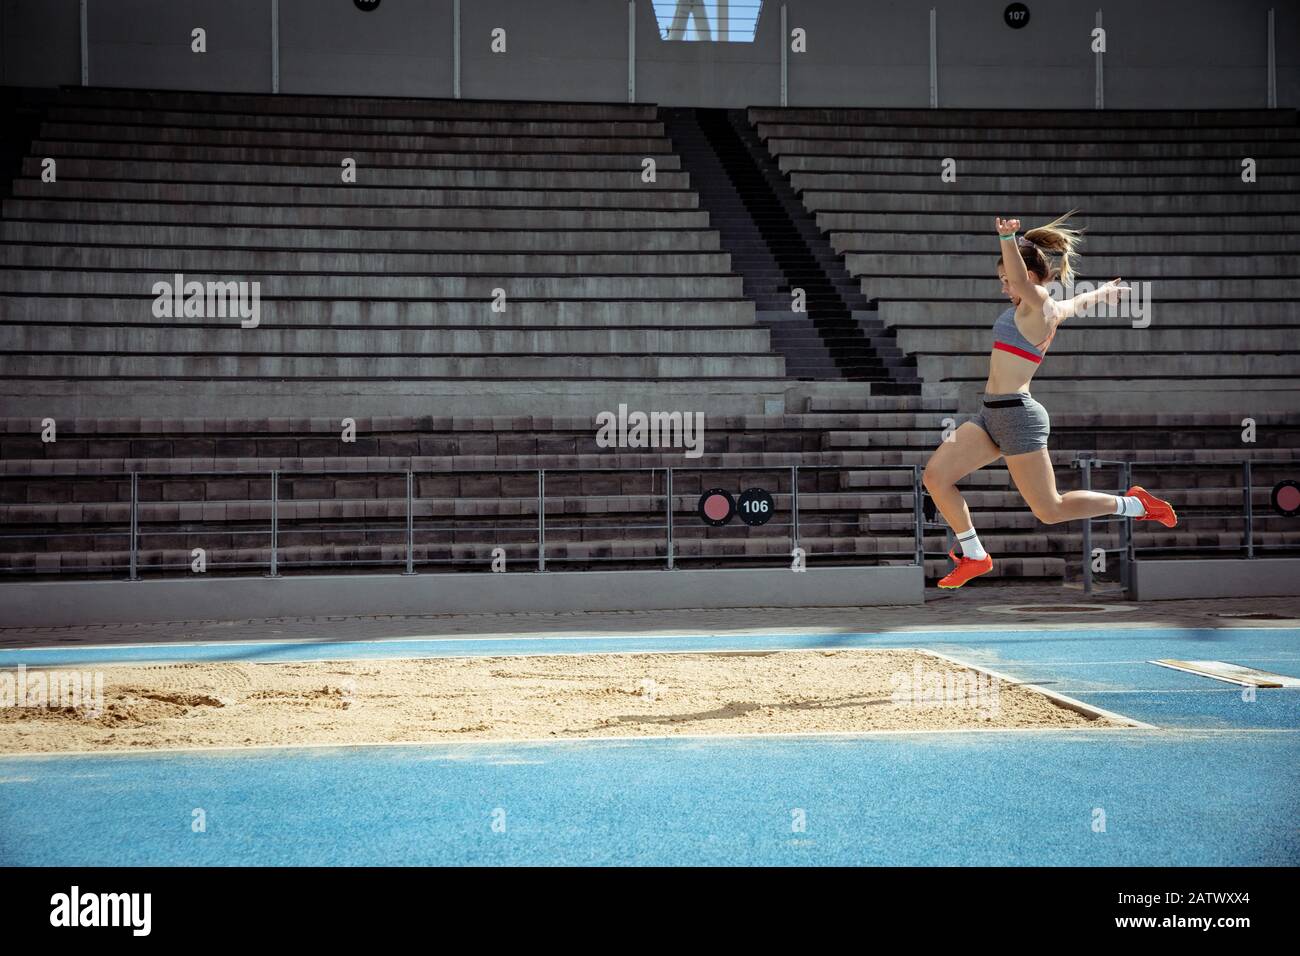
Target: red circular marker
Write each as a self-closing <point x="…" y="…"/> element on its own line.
<point x="716" y="507"/>
<point x="1286" y="498"/>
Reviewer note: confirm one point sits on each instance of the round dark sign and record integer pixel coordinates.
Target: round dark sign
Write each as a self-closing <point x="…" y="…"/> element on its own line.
<point x="754" y="507"/>
<point x="716" y="507"/>
<point x="1016" y="15"/>
<point x="1286" y="498"/>
<point x="365" y="6"/>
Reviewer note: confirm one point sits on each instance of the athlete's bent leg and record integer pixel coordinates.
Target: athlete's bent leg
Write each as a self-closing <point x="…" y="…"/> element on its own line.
<point x="1035" y="479"/>
<point x="969" y="449"/>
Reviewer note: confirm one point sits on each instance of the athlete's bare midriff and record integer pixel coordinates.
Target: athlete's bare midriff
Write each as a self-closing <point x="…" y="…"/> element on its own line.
<point x="1008" y="373"/>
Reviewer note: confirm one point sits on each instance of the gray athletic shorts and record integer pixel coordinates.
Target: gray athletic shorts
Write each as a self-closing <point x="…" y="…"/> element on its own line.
<point x="1015" y="422"/>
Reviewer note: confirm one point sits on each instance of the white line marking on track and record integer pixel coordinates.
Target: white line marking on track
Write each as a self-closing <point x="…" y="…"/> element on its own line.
<point x="630" y="739"/>
<point x="697" y="738"/>
<point x="1076" y="705"/>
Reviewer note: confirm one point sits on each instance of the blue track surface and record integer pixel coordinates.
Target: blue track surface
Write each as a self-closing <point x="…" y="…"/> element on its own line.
<point x="1218" y="784"/>
<point x="973" y="799"/>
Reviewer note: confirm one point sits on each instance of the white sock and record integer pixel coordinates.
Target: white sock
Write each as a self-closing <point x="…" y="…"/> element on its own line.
<point x="1129" y="507"/>
<point x="969" y="542"/>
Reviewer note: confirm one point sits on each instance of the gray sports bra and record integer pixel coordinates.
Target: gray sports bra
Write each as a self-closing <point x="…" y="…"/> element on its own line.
<point x="1008" y="337"/>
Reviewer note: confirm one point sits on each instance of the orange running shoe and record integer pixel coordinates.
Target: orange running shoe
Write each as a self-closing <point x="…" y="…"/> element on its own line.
<point x="1157" y="509"/>
<point x="967" y="568"/>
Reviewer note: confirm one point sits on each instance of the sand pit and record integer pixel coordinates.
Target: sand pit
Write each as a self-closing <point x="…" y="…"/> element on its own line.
<point x="456" y="699"/>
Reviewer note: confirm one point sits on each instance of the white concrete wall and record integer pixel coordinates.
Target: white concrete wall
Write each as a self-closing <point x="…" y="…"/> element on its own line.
<point x="63" y="603"/>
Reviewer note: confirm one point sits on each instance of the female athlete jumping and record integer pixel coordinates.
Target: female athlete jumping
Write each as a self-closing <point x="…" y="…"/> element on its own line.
<point x="1011" y="423"/>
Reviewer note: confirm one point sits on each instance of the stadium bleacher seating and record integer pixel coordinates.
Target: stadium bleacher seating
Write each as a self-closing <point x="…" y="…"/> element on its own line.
<point x="376" y="306"/>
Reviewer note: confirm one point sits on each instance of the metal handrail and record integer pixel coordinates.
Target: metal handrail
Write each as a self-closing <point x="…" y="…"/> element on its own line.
<point x="1085" y="463"/>
<point x="274" y="475"/>
<point x="1127" y="549"/>
<point x="356" y="472"/>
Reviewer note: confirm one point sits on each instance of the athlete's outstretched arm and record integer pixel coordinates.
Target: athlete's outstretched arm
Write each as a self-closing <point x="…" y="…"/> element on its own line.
<point x="1081" y="303"/>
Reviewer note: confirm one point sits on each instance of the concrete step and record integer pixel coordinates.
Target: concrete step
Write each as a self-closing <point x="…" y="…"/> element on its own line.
<point x="338" y="214"/>
<point x="346" y="106"/>
<point x="1052" y="204"/>
<point x="96" y="116"/>
<point x="341" y="194"/>
<point x="866" y="403"/>
<point x="1124" y="364"/>
<point x="981" y="314"/>
<point x="292" y="156"/>
<point x="1281" y="437"/>
<point x="343" y="142"/>
<point x="363" y="285"/>
<point x="235" y="261"/>
<point x="521" y="434"/>
<point x="345" y="341"/>
<point x="1140" y="247"/>
<point x="555" y="241"/>
<point x="454" y="463"/>
<point x="1200" y="288"/>
<point x="1045" y="146"/>
<point x="1027" y="169"/>
<point x="1025" y="132"/>
<point x="1227" y="179"/>
<point x="1159" y="343"/>
<point x="929" y="221"/>
<point x="1169" y="266"/>
<point x="137" y="310"/>
<point x="1080" y="119"/>
<point x="1005" y="509"/>
<point x="328" y="174"/>
<point x="1174" y="395"/>
<point x="1173" y="480"/>
<point x="287" y="449"/>
<point x="270" y="364"/>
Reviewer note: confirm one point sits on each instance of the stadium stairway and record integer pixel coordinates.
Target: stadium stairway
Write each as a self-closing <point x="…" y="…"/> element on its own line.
<point x="776" y="247"/>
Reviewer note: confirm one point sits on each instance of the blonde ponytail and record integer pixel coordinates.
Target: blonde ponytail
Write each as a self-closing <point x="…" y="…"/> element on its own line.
<point x="1057" y="244"/>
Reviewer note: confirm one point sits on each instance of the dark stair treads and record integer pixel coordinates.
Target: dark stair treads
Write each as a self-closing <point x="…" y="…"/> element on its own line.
<point x="776" y="247"/>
